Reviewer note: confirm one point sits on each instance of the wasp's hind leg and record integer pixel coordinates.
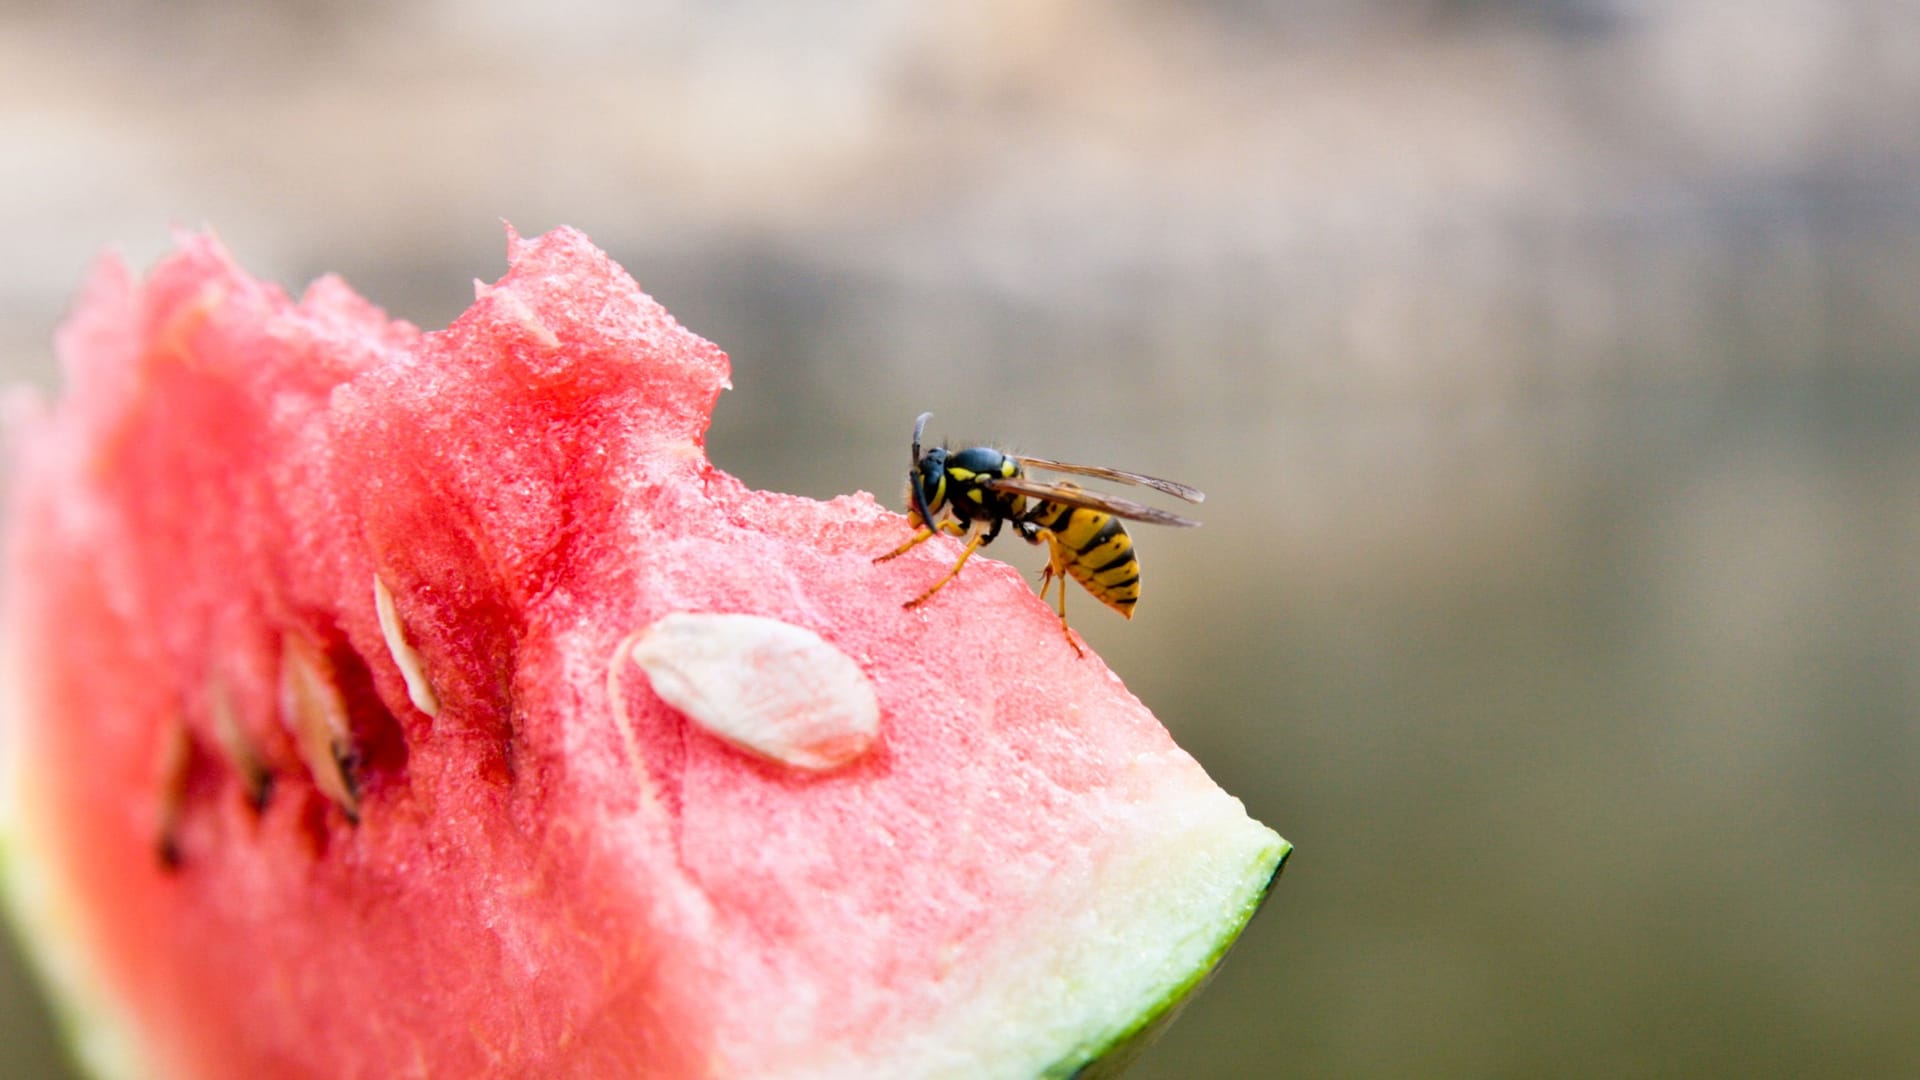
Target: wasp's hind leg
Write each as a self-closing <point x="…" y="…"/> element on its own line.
<point x="1056" y="574"/>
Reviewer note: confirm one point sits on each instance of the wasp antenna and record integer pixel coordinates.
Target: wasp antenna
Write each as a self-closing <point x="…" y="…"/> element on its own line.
<point x="919" y="428"/>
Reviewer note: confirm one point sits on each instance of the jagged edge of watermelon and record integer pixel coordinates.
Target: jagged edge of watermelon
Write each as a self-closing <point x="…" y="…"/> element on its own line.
<point x="1112" y="1057"/>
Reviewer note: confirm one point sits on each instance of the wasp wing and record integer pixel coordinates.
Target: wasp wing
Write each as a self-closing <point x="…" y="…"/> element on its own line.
<point x="1178" y="491"/>
<point x="1072" y="495"/>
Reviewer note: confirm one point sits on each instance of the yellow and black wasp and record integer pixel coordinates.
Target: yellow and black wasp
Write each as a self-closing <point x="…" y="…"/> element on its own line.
<point x="976" y="491"/>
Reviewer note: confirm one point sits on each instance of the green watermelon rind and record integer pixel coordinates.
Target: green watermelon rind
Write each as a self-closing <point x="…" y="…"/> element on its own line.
<point x="1111" y="1057"/>
<point x="98" y="1038"/>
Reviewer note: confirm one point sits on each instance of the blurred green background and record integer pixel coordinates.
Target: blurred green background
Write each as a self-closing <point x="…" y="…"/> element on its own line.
<point x="1553" y="367"/>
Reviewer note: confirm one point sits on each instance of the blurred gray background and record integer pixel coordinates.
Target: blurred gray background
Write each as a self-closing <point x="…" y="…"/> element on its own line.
<point x="1553" y="367"/>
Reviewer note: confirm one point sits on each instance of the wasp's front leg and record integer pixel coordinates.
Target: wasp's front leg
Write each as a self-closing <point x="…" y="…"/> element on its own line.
<point x="973" y="545"/>
<point x="921" y="535"/>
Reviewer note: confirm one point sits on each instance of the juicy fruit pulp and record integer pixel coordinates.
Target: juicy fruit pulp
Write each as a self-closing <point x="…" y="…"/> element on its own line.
<point x="341" y="741"/>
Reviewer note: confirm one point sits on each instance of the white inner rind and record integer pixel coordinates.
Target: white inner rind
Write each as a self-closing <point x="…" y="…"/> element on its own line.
<point x="99" y="1030"/>
<point x="1094" y="958"/>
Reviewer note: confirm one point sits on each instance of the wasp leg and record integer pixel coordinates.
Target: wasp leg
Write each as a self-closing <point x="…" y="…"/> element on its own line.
<point x="992" y="530"/>
<point x="176" y="759"/>
<point x="919" y="538"/>
<point x="973" y="545"/>
<point x="951" y="528"/>
<point x="1056" y="573"/>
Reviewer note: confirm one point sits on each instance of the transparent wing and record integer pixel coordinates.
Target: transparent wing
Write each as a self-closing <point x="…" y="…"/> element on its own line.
<point x="1078" y="496"/>
<point x="1178" y="491"/>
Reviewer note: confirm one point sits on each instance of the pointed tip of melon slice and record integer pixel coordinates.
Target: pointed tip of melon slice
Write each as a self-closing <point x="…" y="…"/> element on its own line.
<point x="1095" y="971"/>
<point x="1126" y="1047"/>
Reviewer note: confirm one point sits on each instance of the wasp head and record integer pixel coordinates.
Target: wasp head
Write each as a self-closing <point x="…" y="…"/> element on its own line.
<point x="927" y="485"/>
<point x="926" y="476"/>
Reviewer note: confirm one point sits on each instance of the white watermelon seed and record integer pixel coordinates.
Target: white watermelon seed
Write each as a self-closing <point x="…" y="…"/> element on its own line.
<point x="236" y="745"/>
<point x="768" y="687"/>
<point x="311" y="701"/>
<point x="175" y="755"/>
<point x="405" y="657"/>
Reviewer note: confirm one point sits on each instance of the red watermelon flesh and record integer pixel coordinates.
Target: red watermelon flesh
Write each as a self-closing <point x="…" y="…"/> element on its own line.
<point x="253" y="831"/>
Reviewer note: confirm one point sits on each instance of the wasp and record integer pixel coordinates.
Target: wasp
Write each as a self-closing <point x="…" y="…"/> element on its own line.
<point x="977" y="491"/>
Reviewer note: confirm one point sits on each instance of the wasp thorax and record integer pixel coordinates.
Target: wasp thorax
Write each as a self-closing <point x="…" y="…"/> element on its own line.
<point x="980" y="461"/>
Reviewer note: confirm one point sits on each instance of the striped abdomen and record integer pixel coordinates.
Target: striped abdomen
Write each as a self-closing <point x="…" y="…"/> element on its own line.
<point x="1095" y="549"/>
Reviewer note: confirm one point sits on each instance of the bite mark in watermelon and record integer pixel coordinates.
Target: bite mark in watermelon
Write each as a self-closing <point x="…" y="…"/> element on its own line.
<point x="343" y="737"/>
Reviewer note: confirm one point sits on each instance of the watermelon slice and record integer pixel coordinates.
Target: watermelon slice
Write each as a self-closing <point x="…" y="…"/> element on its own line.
<point x="385" y="703"/>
